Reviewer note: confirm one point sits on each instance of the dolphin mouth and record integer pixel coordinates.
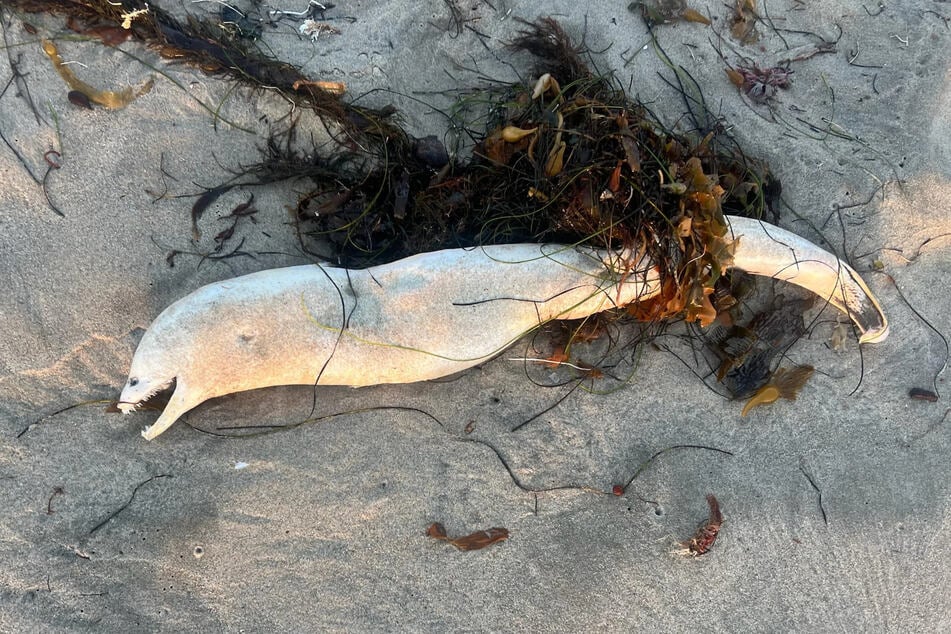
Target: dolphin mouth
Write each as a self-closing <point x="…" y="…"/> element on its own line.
<point x="127" y="406"/>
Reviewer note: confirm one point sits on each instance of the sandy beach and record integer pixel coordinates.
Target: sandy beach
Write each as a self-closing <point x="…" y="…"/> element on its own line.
<point x="837" y="506"/>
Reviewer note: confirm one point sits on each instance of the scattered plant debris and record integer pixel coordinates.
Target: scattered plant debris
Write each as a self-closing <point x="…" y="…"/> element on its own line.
<point x="921" y="394"/>
<point x="784" y="383"/>
<point x="474" y="541"/>
<point x="812" y="483"/>
<point x="745" y="354"/>
<point x="314" y="29"/>
<point x="706" y="535"/>
<point x="743" y="21"/>
<point x="126" y="505"/>
<point x="666" y="11"/>
<point x="49" y="503"/>
<point x="110" y="99"/>
<point x="759" y="84"/>
<point x="567" y="158"/>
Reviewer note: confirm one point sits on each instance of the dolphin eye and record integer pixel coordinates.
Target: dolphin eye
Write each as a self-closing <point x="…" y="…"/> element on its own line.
<point x="133" y="382"/>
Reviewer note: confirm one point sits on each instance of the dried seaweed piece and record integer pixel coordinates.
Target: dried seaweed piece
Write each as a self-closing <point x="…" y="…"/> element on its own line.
<point x="760" y="84"/>
<point x="743" y="21"/>
<point x="110" y="99"/>
<point x="706" y="535"/>
<point x="921" y="394"/>
<point x="783" y="384"/>
<point x="474" y="541"/>
<point x="314" y="29"/>
<point x="666" y="11"/>
<point x="201" y="205"/>
<point x="110" y="34"/>
<point x="79" y="99"/>
<point x="746" y="352"/>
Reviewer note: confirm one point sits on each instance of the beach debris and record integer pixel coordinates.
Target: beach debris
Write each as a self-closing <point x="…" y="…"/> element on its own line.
<point x="743" y="21"/>
<point x="474" y="541"/>
<point x="109" y="34"/>
<point x="840" y="335"/>
<point x="567" y="159"/>
<point x="243" y="210"/>
<point x="667" y="11"/>
<point x="745" y="352"/>
<point x="80" y="99"/>
<point x="110" y="99"/>
<point x="49" y="502"/>
<point x="129" y="16"/>
<point x="240" y="334"/>
<point x="314" y="29"/>
<point x="706" y="535"/>
<point x="784" y="383"/>
<point x="332" y="87"/>
<point x="312" y="325"/>
<point x="815" y="487"/>
<point x="921" y="394"/>
<point x="760" y="84"/>
<point x="240" y="24"/>
<point x="126" y="505"/>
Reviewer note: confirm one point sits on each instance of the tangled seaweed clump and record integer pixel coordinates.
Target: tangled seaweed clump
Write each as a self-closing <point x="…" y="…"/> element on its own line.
<point x="571" y="159"/>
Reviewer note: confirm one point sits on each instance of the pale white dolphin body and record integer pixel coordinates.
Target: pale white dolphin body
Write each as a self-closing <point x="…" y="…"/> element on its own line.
<point x="426" y="316"/>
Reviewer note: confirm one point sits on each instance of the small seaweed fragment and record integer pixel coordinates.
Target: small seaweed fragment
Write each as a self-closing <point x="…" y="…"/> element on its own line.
<point x="314" y="29"/>
<point x="760" y="84"/>
<point x="743" y="21"/>
<point x="49" y="502"/>
<point x="474" y="541"/>
<point x="110" y="34"/>
<point x="921" y="394"/>
<point x="666" y="11"/>
<point x="110" y="99"/>
<point x="204" y="201"/>
<point x="243" y="210"/>
<point x="80" y="99"/>
<point x="706" y="535"/>
<point x="745" y="353"/>
<point x="812" y="482"/>
<point x="783" y="384"/>
<point x="128" y="502"/>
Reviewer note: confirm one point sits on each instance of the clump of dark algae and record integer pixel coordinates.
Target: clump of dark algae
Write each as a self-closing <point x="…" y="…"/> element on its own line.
<point x="569" y="159"/>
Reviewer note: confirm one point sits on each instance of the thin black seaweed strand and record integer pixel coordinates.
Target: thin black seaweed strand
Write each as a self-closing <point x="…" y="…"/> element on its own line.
<point x="128" y="503"/>
<point x="259" y="430"/>
<point x="558" y="401"/>
<point x="658" y="454"/>
<point x="515" y="479"/>
<point x="812" y="482"/>
<point x="345" y="319"/>
<point x="944" y="340"/>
